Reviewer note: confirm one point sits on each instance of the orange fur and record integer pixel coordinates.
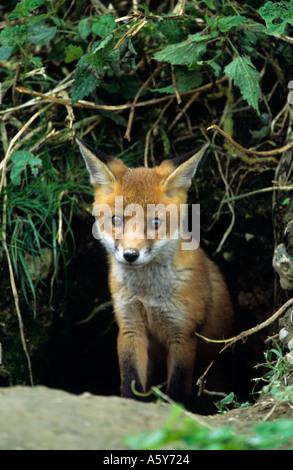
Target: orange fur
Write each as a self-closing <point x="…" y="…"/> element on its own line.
<point x="166" y="294"/>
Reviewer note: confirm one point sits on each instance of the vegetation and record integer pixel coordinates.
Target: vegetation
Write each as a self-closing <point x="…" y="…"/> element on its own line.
<point x="142" y="82"/>
<point x="187" y="433"/>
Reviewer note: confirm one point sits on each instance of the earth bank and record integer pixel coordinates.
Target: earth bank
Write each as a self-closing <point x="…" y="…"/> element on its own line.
<point x="41" y="418"/>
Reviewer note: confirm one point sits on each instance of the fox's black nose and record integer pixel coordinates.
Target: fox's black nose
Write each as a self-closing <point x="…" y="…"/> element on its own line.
<point x="131" y="255"/>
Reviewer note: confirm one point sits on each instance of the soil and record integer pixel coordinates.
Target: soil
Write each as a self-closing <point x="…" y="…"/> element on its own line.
<point x="41" y="418"/>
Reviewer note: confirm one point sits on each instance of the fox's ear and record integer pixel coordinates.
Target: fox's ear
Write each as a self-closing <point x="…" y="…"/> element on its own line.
<point x="101" y="167"/>
<point x="186" y="165"/>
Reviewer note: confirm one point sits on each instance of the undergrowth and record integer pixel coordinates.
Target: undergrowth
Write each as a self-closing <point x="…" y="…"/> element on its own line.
<point x="182" y="432"/>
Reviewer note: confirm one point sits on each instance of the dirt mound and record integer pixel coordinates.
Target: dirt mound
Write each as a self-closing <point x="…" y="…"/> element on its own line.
<point x="42" y="418"/>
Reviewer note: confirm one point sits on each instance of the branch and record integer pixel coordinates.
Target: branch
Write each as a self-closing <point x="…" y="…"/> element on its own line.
<point x="265" y="153"/>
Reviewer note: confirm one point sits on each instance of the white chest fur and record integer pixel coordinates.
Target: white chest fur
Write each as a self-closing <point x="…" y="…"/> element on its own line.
<point x="154" y="287"/>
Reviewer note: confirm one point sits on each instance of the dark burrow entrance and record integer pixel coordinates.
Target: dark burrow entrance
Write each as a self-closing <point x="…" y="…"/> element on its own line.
<point x="77" y="352"/>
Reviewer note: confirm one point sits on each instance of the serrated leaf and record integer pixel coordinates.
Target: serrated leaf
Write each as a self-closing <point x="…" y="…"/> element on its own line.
<point x="10" y="36"/>
<point x="99" y="57"/>
<point x="72" y="53"/>
<point x="24" y="7"/>
<point x="276" y="16"/>
<point x="40" y="34"/>
<point x="21" y="159"/>
<point x="228" y="22"/>
<point x="184" y="52"/>
<point x="246" y="77"/>
<point x="84" y="83"/>
<point x="103" y="25"/>
<point x="84" y="28"/>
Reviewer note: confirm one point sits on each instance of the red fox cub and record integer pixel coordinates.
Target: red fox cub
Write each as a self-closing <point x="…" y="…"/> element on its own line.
<point x="163" y="290"/>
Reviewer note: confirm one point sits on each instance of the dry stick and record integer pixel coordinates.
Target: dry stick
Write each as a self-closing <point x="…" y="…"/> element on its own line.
<point x="131" y="32"/>
<point x="131" y="114"/>
<point x="265" y="153"/>
<point x="183" y="111"/>
<point x="243" y="335"/>
<point x="177" y="94"/>
<point x="120" y="107"/>
<point x="147" y="140"/>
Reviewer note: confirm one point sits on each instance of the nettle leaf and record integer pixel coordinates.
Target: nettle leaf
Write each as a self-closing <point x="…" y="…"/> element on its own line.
<point x="21" y="159"/>
<point x="89" y="66"/>
<point x="10" y="36"/>
<point x="72" y="53"/>
<point x="84" y="28"/>
<point x="185" y="52"/>
<point x="228" y="22"/>
<point x="246" y="77"/>
<point x="24" y="7"/>
<point x="84" y="83"/>
<point x="40" y="34"/>
<point x="277" y="15"/>
<point x="103" y="25"/>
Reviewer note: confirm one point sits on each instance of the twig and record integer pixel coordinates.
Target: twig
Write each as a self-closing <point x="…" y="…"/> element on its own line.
<point x="131" y="32"/>
<point x="177" y="94"/>
<point x="183" y="111"/>
<point x="242" y="336"/>
<point x="131" y="114"/>
<point x="146" y="148"/>
<point x="179" y="8"/>
<point x="91" y="105"/>
<point x="96" y="310"/>
<point x="264" y="153"/>
<point x="259" y="191"/>
<point x="252" y="330"/>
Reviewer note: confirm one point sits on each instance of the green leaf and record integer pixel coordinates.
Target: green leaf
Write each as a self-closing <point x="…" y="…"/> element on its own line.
<point x="84" y="28"/>
<point x="40" y="34"/>
<point x="228" y="22"/>
<point x="286" y="201"/>
<point x="24" y="7"/>
<point x="21" y="159"/>
<point x="84" y="83"/>
<point x="103" y="25"/>
<point x="10" y="36"/>
<point x="246" y="77"/>
<point x="185" y="52"/>
<point x="99" y="57"/>
<point x="276" y="16"/>
<point x="72" y="53"/>
<point x="5" y="52"/>
<point x="36" y="61"/>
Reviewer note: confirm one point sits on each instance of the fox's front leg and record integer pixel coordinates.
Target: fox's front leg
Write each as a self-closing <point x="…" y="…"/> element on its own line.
<point x="132" y="355"/>
<point x="180" y="362"/>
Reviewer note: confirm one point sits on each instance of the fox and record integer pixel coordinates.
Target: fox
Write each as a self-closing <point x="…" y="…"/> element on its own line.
<point x="163" y="293"/>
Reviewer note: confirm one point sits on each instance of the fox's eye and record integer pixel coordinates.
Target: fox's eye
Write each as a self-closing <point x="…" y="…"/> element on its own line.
<point x="156" y="223"/>
<point x="116" y="220"/>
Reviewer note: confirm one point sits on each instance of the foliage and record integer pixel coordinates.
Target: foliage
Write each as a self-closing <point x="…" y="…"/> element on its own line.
<point x="277" y="377"/>
<point x="186" y="433"/>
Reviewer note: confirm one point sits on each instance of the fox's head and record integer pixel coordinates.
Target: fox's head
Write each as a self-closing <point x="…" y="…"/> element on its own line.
<point x="139" y="211"/>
